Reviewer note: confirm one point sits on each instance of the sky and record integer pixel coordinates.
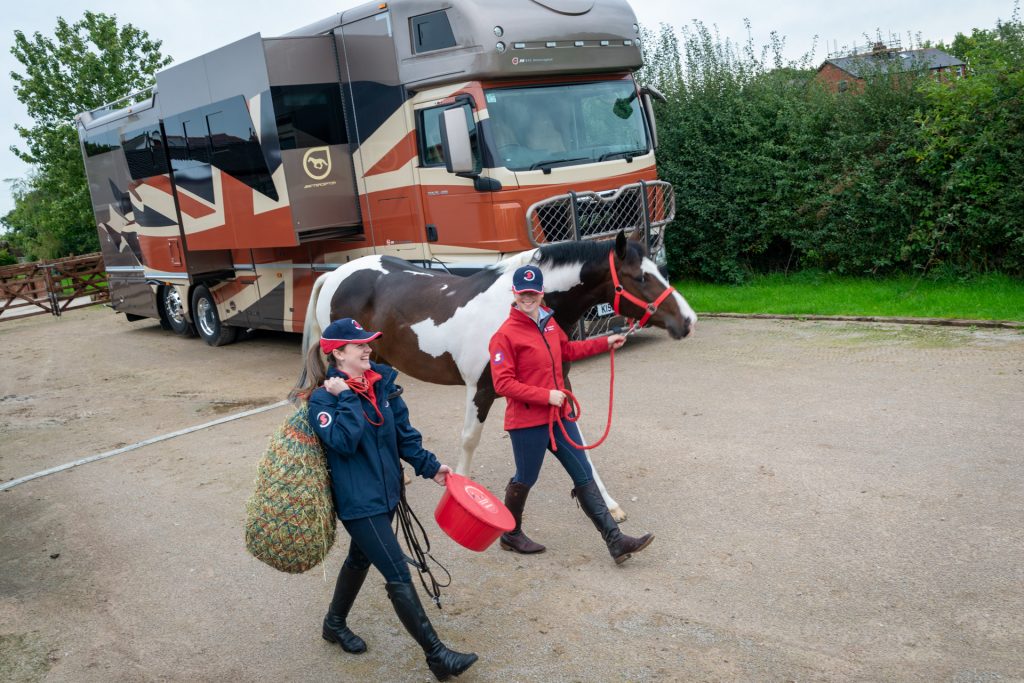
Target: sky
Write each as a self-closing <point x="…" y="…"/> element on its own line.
<point x="189" y="28"/>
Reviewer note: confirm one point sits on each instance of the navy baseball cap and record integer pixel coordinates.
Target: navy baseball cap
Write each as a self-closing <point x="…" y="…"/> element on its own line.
<point x="528" y="279"/>
<point x="345" y="331"/>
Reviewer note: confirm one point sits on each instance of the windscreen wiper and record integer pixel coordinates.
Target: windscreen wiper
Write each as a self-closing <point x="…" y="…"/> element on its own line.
<point x="548" y="163"/>
<point x="627" y="154"/>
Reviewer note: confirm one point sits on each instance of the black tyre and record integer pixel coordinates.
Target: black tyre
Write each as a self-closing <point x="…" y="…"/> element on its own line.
<point x="172" y="313"/>
<point x="208" y="324"/>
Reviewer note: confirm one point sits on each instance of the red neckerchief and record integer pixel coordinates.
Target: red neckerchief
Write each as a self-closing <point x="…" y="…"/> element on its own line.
<point x="364" y="387"/>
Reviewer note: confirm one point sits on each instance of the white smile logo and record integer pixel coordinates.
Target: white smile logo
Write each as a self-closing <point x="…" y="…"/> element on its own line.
<point x="317" y="162"/>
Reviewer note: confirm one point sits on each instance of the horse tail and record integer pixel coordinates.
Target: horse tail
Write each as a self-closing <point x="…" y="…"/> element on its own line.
<point x="310" y="336"/>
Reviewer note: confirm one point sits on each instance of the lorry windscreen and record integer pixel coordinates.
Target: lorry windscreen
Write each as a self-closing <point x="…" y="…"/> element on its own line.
<point x="575" y="123"/>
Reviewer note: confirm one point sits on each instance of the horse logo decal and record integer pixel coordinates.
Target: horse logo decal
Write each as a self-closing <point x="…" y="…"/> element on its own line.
<point x="316" y="162"/>
<point x="324" y="419"/>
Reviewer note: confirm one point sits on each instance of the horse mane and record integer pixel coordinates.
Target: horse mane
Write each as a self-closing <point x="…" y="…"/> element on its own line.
<point x="564" y="253"/>
<point x="581" y="251"/>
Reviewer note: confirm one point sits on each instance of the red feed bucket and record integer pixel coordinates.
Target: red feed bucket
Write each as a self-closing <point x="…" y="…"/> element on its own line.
<point x="471" y="514"/>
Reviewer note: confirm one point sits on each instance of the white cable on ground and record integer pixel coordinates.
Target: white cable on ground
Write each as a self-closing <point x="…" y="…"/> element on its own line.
<point x="140" y="444"/>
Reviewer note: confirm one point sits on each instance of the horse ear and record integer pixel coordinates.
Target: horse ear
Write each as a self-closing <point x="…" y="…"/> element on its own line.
<point x="637" y="235"/>
<point x="620" y="245"/>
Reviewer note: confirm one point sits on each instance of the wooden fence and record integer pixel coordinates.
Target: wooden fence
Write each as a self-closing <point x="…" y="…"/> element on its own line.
<point x="52" y="286"/>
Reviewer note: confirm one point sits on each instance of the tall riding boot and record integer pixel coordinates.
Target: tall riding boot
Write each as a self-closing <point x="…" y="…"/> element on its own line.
<point x="443" y="663"/>
<point x="345" y="591"/>
<point x="515" y="501"/>
<point x="619" y="545"/>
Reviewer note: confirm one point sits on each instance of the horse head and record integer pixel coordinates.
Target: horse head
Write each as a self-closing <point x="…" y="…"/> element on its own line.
<point x="638" y="290"/>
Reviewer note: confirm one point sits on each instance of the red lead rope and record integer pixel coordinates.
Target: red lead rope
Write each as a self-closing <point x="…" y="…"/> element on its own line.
<point x="556" y="414"/>
<point x="649" y="308"/>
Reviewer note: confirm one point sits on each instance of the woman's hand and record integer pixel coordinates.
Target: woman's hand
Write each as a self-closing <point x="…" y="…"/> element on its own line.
<point x="556" y="397"/>
<point x="442" y="474"/>
<point x="335" y="385"/>
<point x="615" y="341"/>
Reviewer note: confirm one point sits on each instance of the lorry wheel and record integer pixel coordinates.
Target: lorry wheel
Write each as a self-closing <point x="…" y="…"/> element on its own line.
<point x="173" y="314"/>
<point x="208" y="324"/>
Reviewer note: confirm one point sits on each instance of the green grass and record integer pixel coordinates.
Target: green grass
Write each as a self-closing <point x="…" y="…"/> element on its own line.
<point x="990" y="297"/>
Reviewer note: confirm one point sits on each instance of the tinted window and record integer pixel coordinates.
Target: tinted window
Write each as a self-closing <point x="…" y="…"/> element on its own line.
<point x="431" y="147"/>
<point x="102" y="143"/>
<point x="308" y="115"/>
<point x="221" y="134"/>
<point x="431" y="32"/>
<point x="144" y="152"/>
<point x="234" y="147"/>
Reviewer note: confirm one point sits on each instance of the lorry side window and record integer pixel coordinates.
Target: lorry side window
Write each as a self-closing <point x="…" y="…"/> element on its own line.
<point x="234" y="147"/>
<point x="431" y="32"/>
<point x="144" y="152"/>
<point x="220" y="134"/>
<point x="102" y="143"/>
<point x="431" y="148"/>
<point x="309" y="115"/>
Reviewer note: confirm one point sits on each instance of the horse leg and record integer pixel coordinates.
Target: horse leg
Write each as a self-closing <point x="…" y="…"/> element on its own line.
<point x="479" y="399"/>
<point x="618" y="514"/>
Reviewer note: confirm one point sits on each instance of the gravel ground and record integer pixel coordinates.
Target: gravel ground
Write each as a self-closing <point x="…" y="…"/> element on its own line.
<point x="832" y="501"/>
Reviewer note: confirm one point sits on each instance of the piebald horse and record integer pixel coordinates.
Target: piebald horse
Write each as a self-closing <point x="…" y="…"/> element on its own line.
<point x="436" y="327"/>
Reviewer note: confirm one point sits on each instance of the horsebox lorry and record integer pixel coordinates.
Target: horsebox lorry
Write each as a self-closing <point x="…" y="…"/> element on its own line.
<point x="450" y="133"/>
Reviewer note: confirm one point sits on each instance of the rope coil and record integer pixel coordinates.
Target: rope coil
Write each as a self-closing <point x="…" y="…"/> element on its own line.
<point x="406" y="520"/>
<point x="576" y="411"/>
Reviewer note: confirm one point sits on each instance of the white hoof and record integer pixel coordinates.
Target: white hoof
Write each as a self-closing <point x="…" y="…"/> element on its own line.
<point x="618" y="514"/>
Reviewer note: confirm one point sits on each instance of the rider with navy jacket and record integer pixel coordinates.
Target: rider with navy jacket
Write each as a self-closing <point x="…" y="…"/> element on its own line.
<point x="526" y="366"/>
<point x="362" y="421"/>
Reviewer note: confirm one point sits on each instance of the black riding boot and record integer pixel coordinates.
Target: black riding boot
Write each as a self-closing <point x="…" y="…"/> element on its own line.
<point x="444" y="663"/>
<point x="515" y="500"/>
<point x="619" y="545"/>
<point x="345" y="591"/>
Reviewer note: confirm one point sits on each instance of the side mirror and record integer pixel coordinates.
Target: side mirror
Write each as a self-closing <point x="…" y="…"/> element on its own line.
<point x="458" y="153"/>
<point x="649" y="114"/>
<point x="649" y="93"/>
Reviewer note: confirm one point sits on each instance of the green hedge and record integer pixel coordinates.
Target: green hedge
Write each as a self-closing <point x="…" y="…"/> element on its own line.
<point x="774" y="173"/>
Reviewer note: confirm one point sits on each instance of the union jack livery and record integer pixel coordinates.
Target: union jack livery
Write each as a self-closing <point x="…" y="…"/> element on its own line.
<point x="449" y="133"/>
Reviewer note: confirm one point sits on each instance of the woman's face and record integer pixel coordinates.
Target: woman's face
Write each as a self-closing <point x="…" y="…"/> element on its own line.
<point x="353" y="359"/>
<point x="528" y="303"/>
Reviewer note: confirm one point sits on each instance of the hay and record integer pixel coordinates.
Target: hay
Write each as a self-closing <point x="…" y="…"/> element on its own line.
<point x="290" y="520"/>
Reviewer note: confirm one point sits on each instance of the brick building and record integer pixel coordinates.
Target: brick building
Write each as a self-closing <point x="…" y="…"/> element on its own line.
<point x="848" y="73"/>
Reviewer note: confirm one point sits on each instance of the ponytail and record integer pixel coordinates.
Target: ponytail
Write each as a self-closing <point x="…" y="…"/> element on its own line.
<point x="313" y="375"/>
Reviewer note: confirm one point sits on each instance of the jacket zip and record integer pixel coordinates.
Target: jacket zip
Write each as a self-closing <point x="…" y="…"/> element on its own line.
<point x="551" y="355"/>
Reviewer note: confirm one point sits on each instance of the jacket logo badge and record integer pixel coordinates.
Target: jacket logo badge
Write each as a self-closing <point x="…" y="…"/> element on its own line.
<point x="324" y="418"/>
<point x="316" y="162"/>
<point x="549" y="328"/>
<point x="498" y="357"/>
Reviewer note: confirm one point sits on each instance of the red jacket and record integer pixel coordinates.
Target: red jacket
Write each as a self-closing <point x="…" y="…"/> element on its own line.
<point x="526" y="364"/>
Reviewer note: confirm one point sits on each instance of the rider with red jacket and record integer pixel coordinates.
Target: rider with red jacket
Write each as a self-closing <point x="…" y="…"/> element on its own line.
<point x="526" y="366"/>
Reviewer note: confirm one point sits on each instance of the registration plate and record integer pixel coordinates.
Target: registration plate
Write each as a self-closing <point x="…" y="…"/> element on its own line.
<point x="604" y="310"/>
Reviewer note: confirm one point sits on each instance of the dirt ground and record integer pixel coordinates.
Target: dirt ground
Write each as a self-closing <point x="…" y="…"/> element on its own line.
<point x="832" y="502"/>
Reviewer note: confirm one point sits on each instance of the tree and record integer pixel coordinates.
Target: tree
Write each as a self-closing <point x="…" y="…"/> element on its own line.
<point x="85" y="65"/>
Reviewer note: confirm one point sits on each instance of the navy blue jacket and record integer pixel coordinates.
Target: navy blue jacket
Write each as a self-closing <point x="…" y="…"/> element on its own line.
<point x="366" y="475"/>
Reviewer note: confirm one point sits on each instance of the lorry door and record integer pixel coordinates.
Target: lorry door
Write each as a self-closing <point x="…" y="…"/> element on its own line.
<point x="383" y="148"/>
<point x="458" y="211"/>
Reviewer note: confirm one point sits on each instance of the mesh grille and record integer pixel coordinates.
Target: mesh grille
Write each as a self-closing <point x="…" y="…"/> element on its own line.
<point x="647" y="206"/>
